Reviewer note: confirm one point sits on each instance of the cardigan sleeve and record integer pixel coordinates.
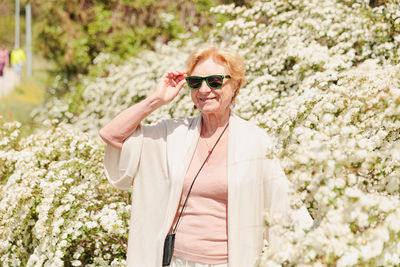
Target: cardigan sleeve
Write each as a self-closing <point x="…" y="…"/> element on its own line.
<point x="122" y="166"/>
<point x="277" y="194"/>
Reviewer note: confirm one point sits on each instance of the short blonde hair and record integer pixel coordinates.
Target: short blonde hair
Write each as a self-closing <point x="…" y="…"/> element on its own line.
<point x="233" y="62"/>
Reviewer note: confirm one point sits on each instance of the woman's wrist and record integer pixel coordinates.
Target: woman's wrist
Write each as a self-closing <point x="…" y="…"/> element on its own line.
<point x="154" y="102"/>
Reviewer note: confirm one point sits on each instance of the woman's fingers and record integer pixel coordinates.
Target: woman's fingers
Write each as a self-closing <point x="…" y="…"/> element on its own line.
<point x="170" y="85"/>
<point x="181" y="84"/>
<point x="175" y="77"/>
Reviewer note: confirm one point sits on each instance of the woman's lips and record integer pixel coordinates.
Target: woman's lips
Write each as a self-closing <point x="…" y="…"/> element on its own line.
<point x="207" y="99"/>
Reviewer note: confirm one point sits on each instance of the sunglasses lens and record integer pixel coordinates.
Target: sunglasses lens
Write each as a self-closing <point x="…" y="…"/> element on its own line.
<point x="215" y="81"/>
<point x="194" y="82"/>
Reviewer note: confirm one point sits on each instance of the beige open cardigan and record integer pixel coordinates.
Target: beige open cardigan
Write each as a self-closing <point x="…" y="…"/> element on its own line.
<point x="154" y="159"/>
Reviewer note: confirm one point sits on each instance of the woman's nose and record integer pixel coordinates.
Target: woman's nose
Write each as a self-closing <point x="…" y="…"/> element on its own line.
<point x="204" y="88"/>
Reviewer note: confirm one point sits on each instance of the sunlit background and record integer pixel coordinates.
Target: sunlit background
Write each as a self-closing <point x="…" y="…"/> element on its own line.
<point x="323" y="80"/>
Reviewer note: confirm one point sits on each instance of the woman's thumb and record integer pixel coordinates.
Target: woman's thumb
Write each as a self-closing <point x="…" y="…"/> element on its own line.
<point x="180" y="84"/>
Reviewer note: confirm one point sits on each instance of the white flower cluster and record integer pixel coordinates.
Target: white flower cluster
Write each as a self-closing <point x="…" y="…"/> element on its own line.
<point x="55" y="204"/>
<point x="323" y="80"/>
<point x="286" y="41"/>
<point x="339" y="143"/>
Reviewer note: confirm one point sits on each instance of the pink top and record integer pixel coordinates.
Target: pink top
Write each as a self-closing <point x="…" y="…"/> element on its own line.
<point x="202" y="234"/>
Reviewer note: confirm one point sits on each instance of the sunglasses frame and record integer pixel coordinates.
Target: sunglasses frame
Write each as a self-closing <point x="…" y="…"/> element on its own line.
<point x="206" y="79"/>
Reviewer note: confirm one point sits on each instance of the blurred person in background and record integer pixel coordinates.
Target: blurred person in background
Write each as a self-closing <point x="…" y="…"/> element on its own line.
<point x="18" y="59"/>
<point x="3" y="59"/>
<point x="216" y="161"/>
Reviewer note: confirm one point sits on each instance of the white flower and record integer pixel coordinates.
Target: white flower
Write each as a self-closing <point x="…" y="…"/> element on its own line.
<point x="76" y="263"/>
<point x="327" y="118"/>
<point x="371" y="249"/>
<point x="340" y="183"/>
<point x="69" y="181"/>
<point x="349" y="258"/>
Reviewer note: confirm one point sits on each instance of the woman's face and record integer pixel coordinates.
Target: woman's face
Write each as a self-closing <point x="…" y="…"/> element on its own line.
<point x="212" y="101"/>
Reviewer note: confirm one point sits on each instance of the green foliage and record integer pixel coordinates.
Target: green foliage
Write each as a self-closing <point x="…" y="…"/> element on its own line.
<point x="73" y="33"/>
<point x="7" y="23"/>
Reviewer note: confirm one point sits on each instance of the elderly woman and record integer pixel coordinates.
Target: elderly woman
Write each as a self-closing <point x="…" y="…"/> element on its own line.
<point x="210" y="171"/>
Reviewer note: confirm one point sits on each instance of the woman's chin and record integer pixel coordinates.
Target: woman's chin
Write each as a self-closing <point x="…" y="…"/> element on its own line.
<point x="208" y="108"/>
<point x="214" y="111"/>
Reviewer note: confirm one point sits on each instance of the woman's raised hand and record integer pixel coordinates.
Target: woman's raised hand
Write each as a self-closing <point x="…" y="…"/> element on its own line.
<point x="170" y="85"/>
<point x="125" y="123"/>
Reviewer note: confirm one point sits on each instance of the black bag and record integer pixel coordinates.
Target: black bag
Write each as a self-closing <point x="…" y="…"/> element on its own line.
<point x="170" y="239"/>
<point x="168" y="249"/>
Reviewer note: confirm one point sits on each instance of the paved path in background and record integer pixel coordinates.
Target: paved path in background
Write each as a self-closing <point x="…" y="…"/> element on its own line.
<point x="9" y="80"/>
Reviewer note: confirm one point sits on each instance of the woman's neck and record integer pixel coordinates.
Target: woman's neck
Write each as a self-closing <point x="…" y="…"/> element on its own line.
<point x="212" y="123"/>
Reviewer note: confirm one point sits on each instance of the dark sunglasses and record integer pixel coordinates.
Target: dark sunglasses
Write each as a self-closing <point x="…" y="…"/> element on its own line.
<point x="213" y="81"/>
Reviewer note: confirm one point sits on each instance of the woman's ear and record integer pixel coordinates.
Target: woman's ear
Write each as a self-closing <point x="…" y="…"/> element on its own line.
<point x="236" y="86"/>
<point x="238" y="83"/>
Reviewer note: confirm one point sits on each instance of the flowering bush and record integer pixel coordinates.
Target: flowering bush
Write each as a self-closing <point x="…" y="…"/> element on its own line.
<point x="285" y="42"/>
<point x="339" y="144"/>
<point x="56" y="206"/>
<point x="324" y="82"/>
